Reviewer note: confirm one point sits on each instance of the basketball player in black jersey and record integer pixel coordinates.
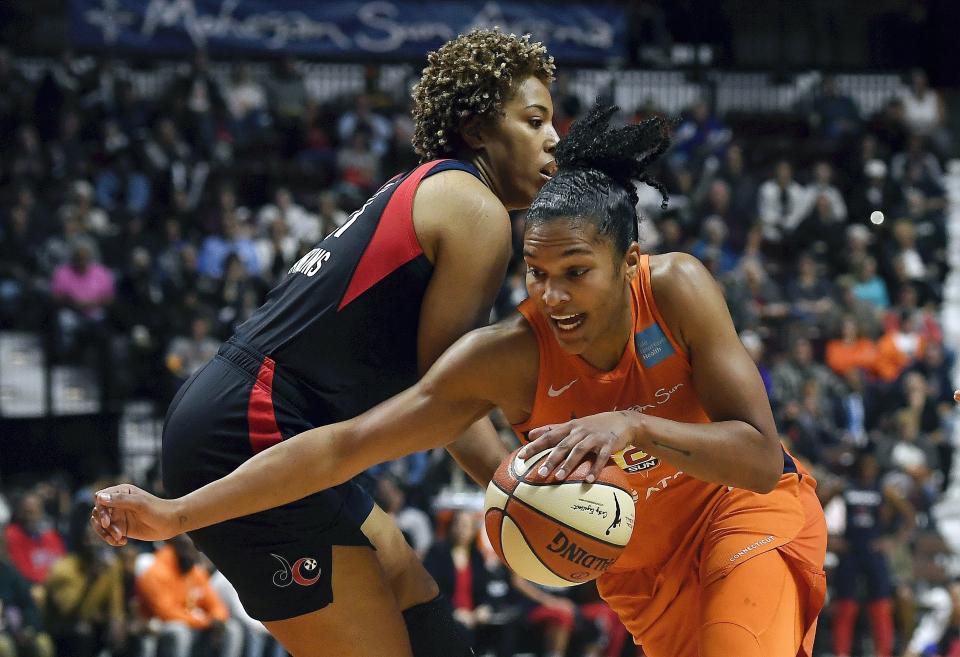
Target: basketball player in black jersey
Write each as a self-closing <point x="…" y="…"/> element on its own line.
<point x="358" y="319"/>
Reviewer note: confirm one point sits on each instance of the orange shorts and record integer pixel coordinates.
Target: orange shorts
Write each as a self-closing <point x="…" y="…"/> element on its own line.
<point x="750" y="593"/>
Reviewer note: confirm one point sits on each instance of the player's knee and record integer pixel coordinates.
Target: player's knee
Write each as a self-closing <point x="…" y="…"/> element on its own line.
<point x="722" y="639"/>
<point x="433" y="632"/>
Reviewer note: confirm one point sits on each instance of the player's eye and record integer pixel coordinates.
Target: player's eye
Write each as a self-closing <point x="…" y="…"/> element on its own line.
<point x="536" y="122"/>
<point x="533" y="271"/>
<point x="578" y="272"/>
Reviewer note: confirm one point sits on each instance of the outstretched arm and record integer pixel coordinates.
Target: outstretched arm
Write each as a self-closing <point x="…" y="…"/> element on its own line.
<point x="453" y="395"/>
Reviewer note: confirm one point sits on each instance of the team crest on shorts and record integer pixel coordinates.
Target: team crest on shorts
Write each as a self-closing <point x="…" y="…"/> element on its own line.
<point x="305" y="571"/>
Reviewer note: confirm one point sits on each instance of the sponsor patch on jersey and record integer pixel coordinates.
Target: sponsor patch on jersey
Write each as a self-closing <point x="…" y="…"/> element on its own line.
<point x="652" y="345"/>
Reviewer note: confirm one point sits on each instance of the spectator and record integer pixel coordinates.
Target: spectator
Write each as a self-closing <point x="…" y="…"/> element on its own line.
<point x="175" y="590"/>
<point x="782" y="205"/>
<point x="754" y="297"/>
<point x="791" y="376"/>
<point x="700" y="134"/>
<point x="198" y="102"/>
<point x="459" y="570"/>
<point x="246" y="102"/>
<point x="811" y="294"/>
<point x="833" y="113"/>
<point x="712" y="248"/>
<point x="876" y="192"/>
<point x="186" y="355"/>
<point x="21" y="632"/>
<point x="822" y="186"/>
<point x="851" y="350"/>
<point x="234" y="239"/>
<point x="869" y="286"/>
<point x="82" y="290"/>
<point x="924" y="112"/>
<point x="277" y="250"/>
<point x="85" y="609"/>
<point x="898" y="348"/>
<point x="358" y="165"/>
<point x="362" y="119"/>
<point x="304" y="227"/>
<point x="329" y="213"/>
<point x="32" y="543"/>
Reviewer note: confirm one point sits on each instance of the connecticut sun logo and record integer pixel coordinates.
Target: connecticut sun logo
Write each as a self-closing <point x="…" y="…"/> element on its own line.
<point x="305" y="572"/>
<point x="635" y="460"/>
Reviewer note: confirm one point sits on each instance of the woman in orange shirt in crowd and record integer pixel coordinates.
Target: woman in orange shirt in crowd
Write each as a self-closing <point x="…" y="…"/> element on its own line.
<point x="851" y="350"/>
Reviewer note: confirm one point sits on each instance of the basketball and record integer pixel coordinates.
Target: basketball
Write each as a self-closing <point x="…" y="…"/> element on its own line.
<point x="558" y="532"/>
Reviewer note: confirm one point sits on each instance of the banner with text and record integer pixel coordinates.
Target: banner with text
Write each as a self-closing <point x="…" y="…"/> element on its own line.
<point x="389" y="29"/>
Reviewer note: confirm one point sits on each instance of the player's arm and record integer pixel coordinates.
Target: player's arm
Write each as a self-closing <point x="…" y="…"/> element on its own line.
<point x="465" y="231"/>
<point x="740" y="447"/>
<point x="460" y="388"/>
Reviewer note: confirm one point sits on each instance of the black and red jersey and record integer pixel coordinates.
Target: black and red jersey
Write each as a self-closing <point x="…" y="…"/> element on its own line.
<point x="342" y="325"/>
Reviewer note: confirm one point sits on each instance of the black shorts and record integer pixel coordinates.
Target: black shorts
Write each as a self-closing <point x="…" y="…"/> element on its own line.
<point x="279" y="560"/>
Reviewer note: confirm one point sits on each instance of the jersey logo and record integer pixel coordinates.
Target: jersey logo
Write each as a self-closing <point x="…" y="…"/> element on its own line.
<point x="305" y="572"/>
<point x="633" y="460"/>
<point x="551" y="392"/>
<point x="652" y="344"/>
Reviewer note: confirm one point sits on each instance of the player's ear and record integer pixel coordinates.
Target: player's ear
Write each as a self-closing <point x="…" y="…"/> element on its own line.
<point x="632" y="261"/>
<point x="471" y="128"/>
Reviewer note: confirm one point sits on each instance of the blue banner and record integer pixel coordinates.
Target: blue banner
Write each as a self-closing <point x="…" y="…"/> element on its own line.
<point x="385" y="29"/>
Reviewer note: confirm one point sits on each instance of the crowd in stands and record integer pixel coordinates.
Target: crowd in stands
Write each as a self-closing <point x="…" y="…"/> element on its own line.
<point x="138" y="231"/>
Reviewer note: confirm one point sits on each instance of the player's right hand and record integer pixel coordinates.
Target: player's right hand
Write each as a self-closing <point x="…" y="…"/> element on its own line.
<point x="125" y="511"/>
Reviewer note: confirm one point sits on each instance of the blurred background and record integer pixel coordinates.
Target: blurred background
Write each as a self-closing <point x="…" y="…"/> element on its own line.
<point x="164" y="162"/>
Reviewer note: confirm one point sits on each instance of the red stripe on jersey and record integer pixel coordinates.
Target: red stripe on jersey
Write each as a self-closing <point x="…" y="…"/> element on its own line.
<point x="394" y="243"/>
<point x="261" y="419"/>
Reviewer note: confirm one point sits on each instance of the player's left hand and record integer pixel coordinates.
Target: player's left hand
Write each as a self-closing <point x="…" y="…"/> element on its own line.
<point x="603" y="435"/>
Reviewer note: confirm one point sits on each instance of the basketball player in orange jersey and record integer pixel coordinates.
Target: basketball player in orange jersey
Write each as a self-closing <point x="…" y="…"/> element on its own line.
<point x="727" y="552"/>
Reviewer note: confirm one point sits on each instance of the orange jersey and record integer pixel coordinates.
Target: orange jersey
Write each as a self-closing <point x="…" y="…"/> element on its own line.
<point x="684" y="527"/>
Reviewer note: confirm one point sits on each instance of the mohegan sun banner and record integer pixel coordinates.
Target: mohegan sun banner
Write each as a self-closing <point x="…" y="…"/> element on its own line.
<point x="347" y="29"/>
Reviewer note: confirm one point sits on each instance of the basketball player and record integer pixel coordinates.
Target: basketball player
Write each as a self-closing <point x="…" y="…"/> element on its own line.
<point x="355" y="321"/>
<point x="727" y="552"/>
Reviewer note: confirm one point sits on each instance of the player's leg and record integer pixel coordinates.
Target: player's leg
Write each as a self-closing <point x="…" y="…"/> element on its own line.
<point x="880" y="606"/>
<point x="360" y="591"/>
<point x="755" y="611"/>
<point x="845" y="605"/>
<point x="428" y="615"/>
<point x="410" y="582"/>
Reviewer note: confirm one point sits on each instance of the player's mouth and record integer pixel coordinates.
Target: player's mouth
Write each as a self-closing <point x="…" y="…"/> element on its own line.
<point x="567" y="324"/>
<point x="548" y="171"/>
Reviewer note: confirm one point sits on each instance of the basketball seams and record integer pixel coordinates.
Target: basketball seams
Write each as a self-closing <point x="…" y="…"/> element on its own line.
<point x="530" y="549"/>
<point x="557" y="521"/>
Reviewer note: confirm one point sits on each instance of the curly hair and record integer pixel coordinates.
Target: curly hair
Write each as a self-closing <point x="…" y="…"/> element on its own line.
<point x="472" y="75"/>
<point x="596" y="169"/>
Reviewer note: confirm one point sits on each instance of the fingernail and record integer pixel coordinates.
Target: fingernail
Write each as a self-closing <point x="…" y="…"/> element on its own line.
<point x="590" y="478"/>
<point x="543" y="472"/>
<point x="104" y="496"/>
<point x="561" y="474"/>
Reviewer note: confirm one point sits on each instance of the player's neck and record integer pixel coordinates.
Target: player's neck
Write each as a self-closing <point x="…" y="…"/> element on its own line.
<point x="607" y="350"/>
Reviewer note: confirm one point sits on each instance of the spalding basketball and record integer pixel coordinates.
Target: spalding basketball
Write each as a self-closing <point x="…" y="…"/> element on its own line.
<point x="558" y="532"/>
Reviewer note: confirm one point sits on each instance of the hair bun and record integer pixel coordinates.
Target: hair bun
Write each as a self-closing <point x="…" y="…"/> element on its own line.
<point x="623" y="153"/>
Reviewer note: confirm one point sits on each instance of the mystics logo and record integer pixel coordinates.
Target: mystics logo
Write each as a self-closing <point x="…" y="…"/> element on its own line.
<point x="305" y="572"/>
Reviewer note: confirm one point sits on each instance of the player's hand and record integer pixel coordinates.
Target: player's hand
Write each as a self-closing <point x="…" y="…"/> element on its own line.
<point x="956" y="395"/>
<point x="602" y="434"/>
<point x="125" y="511"/>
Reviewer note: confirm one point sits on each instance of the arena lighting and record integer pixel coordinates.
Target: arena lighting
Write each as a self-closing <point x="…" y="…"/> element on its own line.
<point x="876" y="217"/>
